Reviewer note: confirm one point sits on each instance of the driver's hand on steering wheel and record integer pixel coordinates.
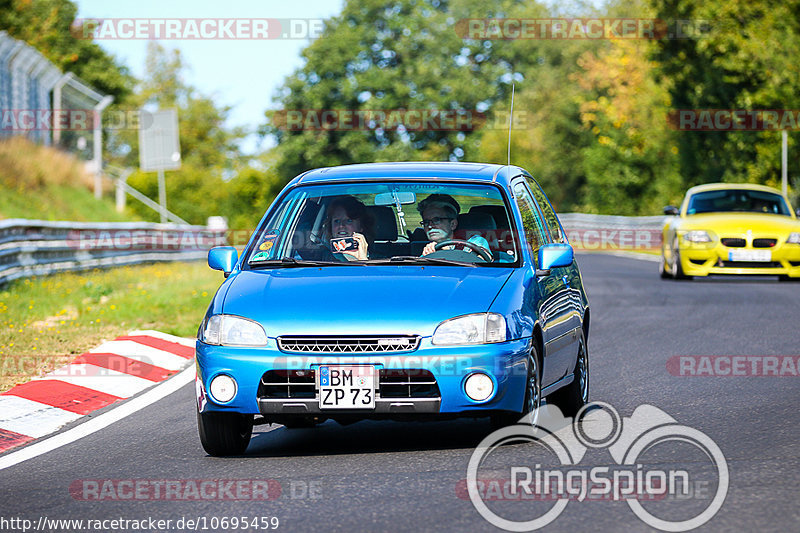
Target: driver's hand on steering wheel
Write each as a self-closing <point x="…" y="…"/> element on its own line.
<point x="429" y="248"/>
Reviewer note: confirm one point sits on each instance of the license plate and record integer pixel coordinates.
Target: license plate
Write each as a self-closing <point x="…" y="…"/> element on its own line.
<point x="757" y="256"/>
<point x="346" y="387"/>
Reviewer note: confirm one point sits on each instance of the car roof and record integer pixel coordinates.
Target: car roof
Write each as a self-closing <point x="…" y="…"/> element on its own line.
<point x="415" y="169"/>
<point x="726" y="186"/>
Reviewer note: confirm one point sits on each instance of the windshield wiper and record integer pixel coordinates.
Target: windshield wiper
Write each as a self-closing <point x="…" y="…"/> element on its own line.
<point x="414" y="259"/>
<point x="292" y="262"/>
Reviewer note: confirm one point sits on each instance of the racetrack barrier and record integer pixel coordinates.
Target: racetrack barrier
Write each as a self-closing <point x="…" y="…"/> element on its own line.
<point x="37" y="247"/>
<point x="609" y="232"/>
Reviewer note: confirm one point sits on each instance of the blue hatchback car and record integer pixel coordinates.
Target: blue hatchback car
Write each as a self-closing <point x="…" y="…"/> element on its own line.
<point x="394" y="290"/>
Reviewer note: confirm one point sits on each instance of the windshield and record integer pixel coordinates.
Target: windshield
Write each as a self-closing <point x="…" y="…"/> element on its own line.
<point x="737" y="200"/>
<point x="380" y="223"/>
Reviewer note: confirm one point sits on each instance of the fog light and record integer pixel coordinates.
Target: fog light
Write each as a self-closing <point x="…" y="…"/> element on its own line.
<point x="479" y="387"/>
<point x="223" y="388"/>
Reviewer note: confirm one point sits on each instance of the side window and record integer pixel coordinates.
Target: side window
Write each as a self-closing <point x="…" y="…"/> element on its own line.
<point x="547" y="210"/>
<point x="532" y="223"/>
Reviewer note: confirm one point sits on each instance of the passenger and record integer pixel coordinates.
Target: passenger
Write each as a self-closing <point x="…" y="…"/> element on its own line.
<point x="349" y="217"/>
<point x="440" y="219"/>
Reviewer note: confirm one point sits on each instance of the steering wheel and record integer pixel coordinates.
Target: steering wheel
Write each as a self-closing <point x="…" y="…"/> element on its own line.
<point x="480" y="250"/>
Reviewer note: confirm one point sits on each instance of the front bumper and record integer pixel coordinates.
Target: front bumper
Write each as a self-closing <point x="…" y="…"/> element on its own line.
<point x="714" y="258"/>
<point x="504" y="362"/>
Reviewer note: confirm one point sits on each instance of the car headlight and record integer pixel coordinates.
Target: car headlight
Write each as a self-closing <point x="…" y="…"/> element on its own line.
<point x="794" y="238"/>
<point x="229" y="330"/>
<point x="479" y="328"/>
<point x="697" y="235"/>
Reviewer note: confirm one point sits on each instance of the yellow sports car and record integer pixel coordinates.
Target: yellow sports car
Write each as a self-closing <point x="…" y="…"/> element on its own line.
<point x="725" y="228"/>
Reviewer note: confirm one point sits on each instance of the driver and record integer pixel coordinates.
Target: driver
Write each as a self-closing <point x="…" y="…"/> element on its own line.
<point x="440" y="219"/>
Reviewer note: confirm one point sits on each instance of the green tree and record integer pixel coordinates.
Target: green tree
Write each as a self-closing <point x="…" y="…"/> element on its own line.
<point x="745" y="57"/>
<point x="211" y="160"/>
<point x="47" y="26"/>
<point x="388" y="55"/>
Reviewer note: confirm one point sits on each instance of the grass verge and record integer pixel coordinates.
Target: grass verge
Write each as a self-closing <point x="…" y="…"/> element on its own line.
<point x="47" y="321"/>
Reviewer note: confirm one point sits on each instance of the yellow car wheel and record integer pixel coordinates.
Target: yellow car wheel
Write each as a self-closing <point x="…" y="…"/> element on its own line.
<point x="677" y="269"/>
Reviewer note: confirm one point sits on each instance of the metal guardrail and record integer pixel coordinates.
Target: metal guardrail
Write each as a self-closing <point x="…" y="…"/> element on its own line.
<point x="37" y="247"/>
<point x="608" y="232"/>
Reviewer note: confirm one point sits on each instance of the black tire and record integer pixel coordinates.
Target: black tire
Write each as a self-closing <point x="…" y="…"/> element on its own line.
<point x="788" y="278"/>
<point x="571" y="398"/>
<point x="224" y="433"/>
<point x="677" y="269"/>
<point x="662" y="268"/>
<point x="533" y="396"/>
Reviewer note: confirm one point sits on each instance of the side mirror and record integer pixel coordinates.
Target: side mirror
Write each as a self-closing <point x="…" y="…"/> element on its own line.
<point x="553" y="256"/>
<point x="671" y="210"/>
<point x="223" y="258"/>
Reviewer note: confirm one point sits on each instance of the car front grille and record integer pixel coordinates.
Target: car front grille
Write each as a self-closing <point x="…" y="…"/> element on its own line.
<point x="290" y="384"/>
<point x="750" y="264"/>
<point x="392" y="383"/>
<point x="408" y="383"/>
<point x="733" y="242"/>
<point x="764" y="243"/>
<point x="373" y="344"/>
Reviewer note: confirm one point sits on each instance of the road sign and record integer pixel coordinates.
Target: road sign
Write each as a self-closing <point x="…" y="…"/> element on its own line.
<point x="159" y="147"/>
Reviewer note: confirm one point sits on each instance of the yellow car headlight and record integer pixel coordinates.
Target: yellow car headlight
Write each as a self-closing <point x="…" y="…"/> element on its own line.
<point x="794" y="238"/>
<point x="697" y="235"/>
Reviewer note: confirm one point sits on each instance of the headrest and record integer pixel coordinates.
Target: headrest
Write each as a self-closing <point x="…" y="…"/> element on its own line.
<point x="498" y="213"/>
<point x="476" y="220"/>
<point x="385" y="223"/>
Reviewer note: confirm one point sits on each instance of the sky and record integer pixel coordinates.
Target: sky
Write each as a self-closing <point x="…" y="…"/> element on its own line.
<point x="243" y="74"/>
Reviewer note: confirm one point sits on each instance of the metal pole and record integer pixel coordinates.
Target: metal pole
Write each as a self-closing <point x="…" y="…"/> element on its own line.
<point x="162" y="196"/>
<point x="58" y="104"/>
<point x="97" y="135"/>
<point x="784" y="163"/>
<point x="123" y="177"/>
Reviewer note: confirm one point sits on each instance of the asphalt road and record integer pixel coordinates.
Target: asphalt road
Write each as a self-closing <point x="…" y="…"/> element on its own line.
<point x="391" y="476"/>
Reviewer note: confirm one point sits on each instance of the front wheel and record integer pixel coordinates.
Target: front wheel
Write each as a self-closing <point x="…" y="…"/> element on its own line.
<point x="571" y="398"/>
<point x="677" y="269"/>
<point x="662" y="268"/>
<point x="533" y="397"/>
<point x="224" y="433"/>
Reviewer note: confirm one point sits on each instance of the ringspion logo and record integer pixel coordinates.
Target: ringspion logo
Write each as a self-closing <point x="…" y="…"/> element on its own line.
<point x="644" y="446"/>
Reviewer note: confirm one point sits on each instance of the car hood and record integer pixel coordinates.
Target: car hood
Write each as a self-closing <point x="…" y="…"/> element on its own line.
<point x="735" y="223"/>
<point x="361" y="300"/>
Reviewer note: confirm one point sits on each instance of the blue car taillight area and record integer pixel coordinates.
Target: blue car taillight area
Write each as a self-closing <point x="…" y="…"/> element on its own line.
<point x="428" y="379"/>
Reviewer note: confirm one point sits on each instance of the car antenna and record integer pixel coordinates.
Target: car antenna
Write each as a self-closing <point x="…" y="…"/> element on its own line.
<point x="510" y="122"/>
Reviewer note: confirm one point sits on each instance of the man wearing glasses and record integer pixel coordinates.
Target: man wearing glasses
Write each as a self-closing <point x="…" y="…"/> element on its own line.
<point x="440" y="219"/>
